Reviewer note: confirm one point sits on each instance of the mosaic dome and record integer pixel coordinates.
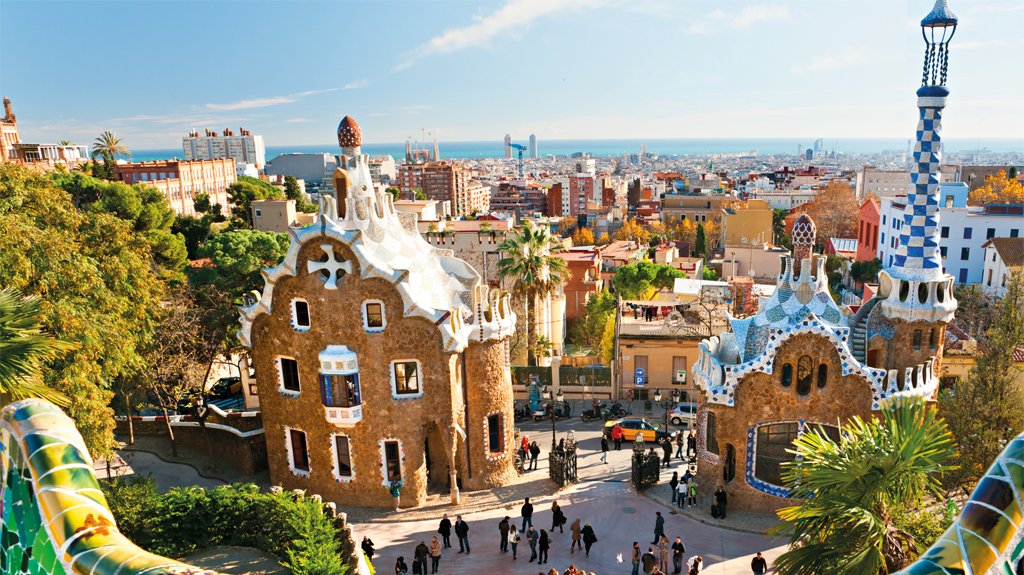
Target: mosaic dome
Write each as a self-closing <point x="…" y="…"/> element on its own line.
<point x="804" y="231"/>
<point x="350" y="135"/>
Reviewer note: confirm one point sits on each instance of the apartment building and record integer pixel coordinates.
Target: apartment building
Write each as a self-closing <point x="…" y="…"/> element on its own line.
<point x="181" y="180"/>
<point x="445" y="181"/>
<point x="244" y="148"/>
<point x="697" y="208"/>
<point x="747" y="223"/>
<point x="1003" y="258"/>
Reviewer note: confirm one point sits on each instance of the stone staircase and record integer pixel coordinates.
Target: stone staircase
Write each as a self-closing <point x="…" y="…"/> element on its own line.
<point x="859" y="331"/>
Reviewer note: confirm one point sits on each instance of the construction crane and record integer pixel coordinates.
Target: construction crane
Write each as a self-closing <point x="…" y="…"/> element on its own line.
<point x="521" y="149"/>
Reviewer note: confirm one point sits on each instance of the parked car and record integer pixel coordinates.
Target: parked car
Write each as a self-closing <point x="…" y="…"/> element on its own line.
<point x="684" y="413"/>
<point x="224" y="388"/>
<point x="633" y="427"/>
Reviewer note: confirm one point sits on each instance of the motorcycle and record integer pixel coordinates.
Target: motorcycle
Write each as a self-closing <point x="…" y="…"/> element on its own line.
<point x="562" y="409"/>
<point x="521" y="412"/>
<point x="594" y="412"/>
<point x="617" y="411"/>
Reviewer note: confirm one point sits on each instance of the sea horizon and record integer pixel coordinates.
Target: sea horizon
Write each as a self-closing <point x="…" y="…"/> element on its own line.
<point x="617" y="147"/>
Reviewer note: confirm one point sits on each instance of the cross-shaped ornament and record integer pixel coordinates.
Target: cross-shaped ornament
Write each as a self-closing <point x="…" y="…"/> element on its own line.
<point x="332" y="266"/>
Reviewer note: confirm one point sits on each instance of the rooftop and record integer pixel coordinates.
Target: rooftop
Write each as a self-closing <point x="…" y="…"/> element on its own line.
<point x="1010" y="250"/>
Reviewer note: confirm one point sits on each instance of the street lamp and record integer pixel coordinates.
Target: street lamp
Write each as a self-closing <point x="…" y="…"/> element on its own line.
<point x="665" y="405"/>
<point x="559" y="397"/>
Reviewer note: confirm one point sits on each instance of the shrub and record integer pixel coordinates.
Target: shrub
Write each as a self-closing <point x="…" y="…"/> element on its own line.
<point x="187" y="519"/>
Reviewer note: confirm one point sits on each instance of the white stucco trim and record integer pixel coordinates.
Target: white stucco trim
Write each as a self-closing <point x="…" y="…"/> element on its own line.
<point x="336" y="467"/>
<point x="394" y="381"/>
<point x="384" y="460"/>
<point x="294" y="321"/>
<point x="383" y="315"/>
<point x="280" y="376"/>
<point x="290" y="452"/>
<point x="505" y="439"/>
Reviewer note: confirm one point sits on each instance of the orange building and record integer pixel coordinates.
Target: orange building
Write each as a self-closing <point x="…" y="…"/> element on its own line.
<point x="584" y="278"/>
<point x="445" y="181"/>
<point x="867" y="230"/>
<point x="8" y="133"/>
<point x="181" y="180"/>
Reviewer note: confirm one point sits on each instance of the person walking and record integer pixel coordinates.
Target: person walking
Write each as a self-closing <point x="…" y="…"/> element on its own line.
<point x="604" y="449"/>
<point x="367" y="546"/>
<point x="635" y="556"/>
<point x="721" y="499"/>
<point x="677" y="556"/>
<point x="649" y="561"/>
<point x="758" y="564"/>
<point x="659" y="527"/>
<point x="396" y="495"/>
<point x="542" y="546"/>
<point x="589" y="538"/>
<point x="419" y="559"/>
<point x="526" y="511"/>
<point x="445" y="529"/>
<point x="513" y="540"/>
<point x="503" y="527"/>
<point x="534" y="455"/>
<point x="462" y="533"/>
<point x="557" y="518"/>
<point x="680" y="445"/>
<point x="576" y="536"/>
<point x="663" y="547"/>
<point x="435" y="554"/>
<point x="691" y="445"/>
<point x="617" y="436"/>
<point x="691" y="489"/>
<point x="666" y="447"/>
<point x="674" y="484"/>
<point x="531" y="540"/>
<point x="400" y="567"/>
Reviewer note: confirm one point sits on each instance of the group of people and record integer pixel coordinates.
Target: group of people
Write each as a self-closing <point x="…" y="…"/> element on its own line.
<point x="656" y="560"/>
<point x="684" y="489"/>
<point x="685" y="447"/>
<point x="583" y="537"/>
<point x="529" y="453"/>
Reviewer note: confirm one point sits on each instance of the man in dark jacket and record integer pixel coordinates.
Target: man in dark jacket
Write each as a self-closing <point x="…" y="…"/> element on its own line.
<point x="649" y="561"/>
<point x="419" y="558"/>
<point x="534" y="455"/>
<point x="677" y="556"/>
<point x="462" y="532"/>
<point x="527" y="513"/>
<point x="445" y="530"/>
<point x="659" y="528"/>
<point x="758" y="565"/>
<point x="721" y="499"/>
<point x="666" y="447"/>
<point x="503" y="529"/>
<point x="531" y="538"/>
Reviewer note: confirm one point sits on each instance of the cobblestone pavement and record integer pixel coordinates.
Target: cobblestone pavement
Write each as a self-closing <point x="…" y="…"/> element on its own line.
<point x="603" y="497"/>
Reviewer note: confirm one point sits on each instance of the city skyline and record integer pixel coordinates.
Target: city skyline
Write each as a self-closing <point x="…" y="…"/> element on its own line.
<point x="658" y="70"/>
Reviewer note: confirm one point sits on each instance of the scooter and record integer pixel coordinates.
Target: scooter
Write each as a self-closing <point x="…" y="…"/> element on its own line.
<point x="561" y="408"/>
<point x="616" y="411"/>
<point x="594" y="412"/>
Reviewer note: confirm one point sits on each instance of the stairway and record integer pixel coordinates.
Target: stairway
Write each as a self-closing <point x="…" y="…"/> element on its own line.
<point x="859" y="332"/>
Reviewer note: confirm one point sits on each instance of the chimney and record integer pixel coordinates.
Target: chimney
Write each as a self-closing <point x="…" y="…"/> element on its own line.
<point x="8" y="112"/>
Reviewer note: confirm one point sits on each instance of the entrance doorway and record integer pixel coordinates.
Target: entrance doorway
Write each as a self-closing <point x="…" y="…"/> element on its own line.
<point x="435" y="460"/>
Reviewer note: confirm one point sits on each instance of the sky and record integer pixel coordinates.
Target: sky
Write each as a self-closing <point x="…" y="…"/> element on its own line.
<point x="474" y="70"/>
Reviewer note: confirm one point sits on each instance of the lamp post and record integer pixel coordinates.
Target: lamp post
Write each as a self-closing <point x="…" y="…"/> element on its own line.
<point x="666" y="404"/>
<point x="559" y="397"/>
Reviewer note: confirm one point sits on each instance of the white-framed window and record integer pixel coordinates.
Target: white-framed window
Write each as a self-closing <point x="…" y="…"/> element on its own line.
<point x="391" y="459"/>
<point x="406" y="379"/>
<point x="341" y="449"/>
<point x="287" y="375"/>
<point x="494" y="431"/>
<point x="300" y="315"/>
<point x="298" y="451"/>
<point x="259" y="213"/>
<point x="373" y="315"/>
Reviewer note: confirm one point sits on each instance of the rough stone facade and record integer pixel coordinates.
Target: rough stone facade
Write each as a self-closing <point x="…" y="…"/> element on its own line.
<point x="761" y="398"/>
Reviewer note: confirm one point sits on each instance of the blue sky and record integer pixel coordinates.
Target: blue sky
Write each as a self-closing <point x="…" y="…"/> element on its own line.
<point x="562" y="69"/>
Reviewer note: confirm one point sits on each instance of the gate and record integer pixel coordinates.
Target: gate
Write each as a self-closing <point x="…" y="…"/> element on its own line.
<point x="562" y="464"/>
<point x="646" y="466"/>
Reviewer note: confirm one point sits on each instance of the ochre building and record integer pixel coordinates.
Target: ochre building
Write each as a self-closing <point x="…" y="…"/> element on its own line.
<point x="379" y="357"/>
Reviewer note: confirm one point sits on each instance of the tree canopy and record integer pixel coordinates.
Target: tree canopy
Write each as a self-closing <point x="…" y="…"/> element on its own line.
<point x="238" y="256"/>
<point x="998" y="189"/>
<point x="639" y="280"/>
<point x="98" y="290"/>
<point x="835" y="211"/>
<point x="245" y="191"/>
<point x="583" y="237"/>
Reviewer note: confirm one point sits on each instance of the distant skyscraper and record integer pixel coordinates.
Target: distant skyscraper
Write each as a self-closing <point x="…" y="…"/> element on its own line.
<point x="643" y="152"/>
<point x="533" y="145"/>
<point x="819" y="145"/>
<point x="508" y="146"/>
<point x="245" y="148"/>
<point x="809" y="155"/>
<point x="408" y="151"/>
<point x="437" y="151"/>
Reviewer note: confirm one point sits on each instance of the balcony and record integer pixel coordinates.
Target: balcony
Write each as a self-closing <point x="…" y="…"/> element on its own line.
<point x="344" y="416"/>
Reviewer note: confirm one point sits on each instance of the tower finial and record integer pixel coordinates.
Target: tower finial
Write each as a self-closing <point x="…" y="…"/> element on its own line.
<point x="937" y="29"/>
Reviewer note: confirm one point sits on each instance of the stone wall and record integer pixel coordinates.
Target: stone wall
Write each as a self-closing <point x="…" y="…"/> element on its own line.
<point x="489" y="387"/>
<point x="761" y="398"/>
<point x="336" y="319"/>
<point x="246" y="454"/>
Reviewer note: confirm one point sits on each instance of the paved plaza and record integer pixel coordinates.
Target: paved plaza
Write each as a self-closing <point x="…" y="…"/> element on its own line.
<point x="603" y="497"/>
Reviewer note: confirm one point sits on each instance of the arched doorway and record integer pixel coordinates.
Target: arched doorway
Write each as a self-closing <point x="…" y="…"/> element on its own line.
<point x="435" y="459"/>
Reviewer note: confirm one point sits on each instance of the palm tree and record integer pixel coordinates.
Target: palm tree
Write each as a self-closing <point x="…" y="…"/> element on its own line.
<point x="847" y="523"/>
<point x="64" y="143"/>
<point x="535" y="270"/>
<point x="109" y="146"/>
<point x="23" y="349"/>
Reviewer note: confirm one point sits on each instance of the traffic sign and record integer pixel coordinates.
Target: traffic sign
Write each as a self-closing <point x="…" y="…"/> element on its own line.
<point x="640" y="377"/>
<point x="639" y="382"/>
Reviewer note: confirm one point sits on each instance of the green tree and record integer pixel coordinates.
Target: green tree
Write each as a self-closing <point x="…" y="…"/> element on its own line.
<point x="24" y="349"/>
<point x="98" y="286"/>
<point x="201" y="203"/>
<point x="239" y="255"/>
<point x="292" y="191"/>
<point x="394" y="192"/>
<point x="866" y="271"/>
<point x="590" y="327"/>
<point x="700" y="247"/>
<point x="709" y="274"/>
<point x="244" y="192"/>
<point x="108" y="146"/>
<point x="531" y="263"/>
<point x="419" y="194"/>
<point x="639" y="280"/>
<point x="608" y="340"/>
<point x="987" y="409"/>
<point x="852" y="487"/>
<point x="779" y="222"/>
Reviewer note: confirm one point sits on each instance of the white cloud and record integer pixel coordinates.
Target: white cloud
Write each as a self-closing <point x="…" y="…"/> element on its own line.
<point x="742" y="20"/>
<point x="298" y="120"/>
<point x="251" y="103"/>
<point x="980" y="44"/>
<point x="511" y="18"/>
<point x="845" y="58"/>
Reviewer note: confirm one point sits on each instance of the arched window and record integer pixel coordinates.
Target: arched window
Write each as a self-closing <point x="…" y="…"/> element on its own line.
<point x="822" y="375"/>
<point x="711" y="434"/>
<point x="922" y="292"/>
<point x="770" y="453"/>
<point x="787" y="374"/>
<point x="804" y="375"/>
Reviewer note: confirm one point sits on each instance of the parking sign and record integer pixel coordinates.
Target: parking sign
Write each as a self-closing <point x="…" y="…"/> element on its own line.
<point x="640" y="377"/>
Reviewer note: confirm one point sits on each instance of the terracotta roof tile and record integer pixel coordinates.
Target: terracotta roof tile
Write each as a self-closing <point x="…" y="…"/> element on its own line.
<point x="1011" y="250"/>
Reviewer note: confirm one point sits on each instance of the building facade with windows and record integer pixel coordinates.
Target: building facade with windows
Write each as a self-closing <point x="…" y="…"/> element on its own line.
<point x="379" y="357"/>
<point x="244" y="148"/>
<point x="180" y="180"/>
<point x="802" y="364"/>
<point x="1003" y="258"/>
<point x="962" y="230"/>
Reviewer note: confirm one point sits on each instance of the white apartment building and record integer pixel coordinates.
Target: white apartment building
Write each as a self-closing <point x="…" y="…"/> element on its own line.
<point x="245" y="148"/>
<point x="1003" y="256"/>
<point x="383" y="170"/>
<point x="783" y="199"/>
<point x="963" y="230"/>
<point x="889" y="183"/>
